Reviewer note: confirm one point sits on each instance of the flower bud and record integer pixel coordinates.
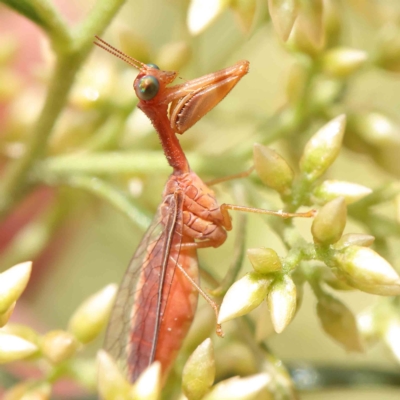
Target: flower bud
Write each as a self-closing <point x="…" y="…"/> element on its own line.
<point x="283" y="14"/>
<point x="282" y="302"/>
<point x="366" y="270"/>
<point x="244" y="296"/>
<point x="328" y="225"/>
<point x="6" y="316"/>
<point x="338" y="322"/>
<point x="388" y="48"/>
<point x="264" y="260"/>
<point x="354" y="239"/>
<point x="377" y="129"/>
<point x="264" y="327"/>
<point x="323" y="148"/>
<point x="199" y="371"/>
<point x="13" y="348"/>
<point x="369" y="326"/>
<point x="12" y="283"/>
<point x="341" y="62"/>
<point x="272" y="169"/>
<point x="392" y="337"/>
<point x="111" y="383"/>
<point x="245" y="11"/>
<point x="57" y="346"/>
<point x="148" y="385"/>
<point x="326" y="275"/>
<point x="307" y="34"/>
<point x="201" y="15"/>
<point x="173" y="56"/>
<point x="235" y="359"/>
<point x="134" y="44"/>
<point x="332" y="22"/>
<point x="330" y="189"/>
<point x="324" y="92"/>
<point x="91" y="317"/>
<point x="239" y="388"/>
<point x="22" y="331"/>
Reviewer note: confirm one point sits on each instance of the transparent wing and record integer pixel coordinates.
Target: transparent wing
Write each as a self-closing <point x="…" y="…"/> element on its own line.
<point x="133" y="326"/>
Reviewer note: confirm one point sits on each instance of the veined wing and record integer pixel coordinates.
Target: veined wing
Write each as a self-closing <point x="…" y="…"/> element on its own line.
<point x="133" y="329"/>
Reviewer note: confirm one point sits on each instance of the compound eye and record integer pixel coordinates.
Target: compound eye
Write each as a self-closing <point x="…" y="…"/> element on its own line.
<point x="147" y="87"/>
<point x="151" y="65"/>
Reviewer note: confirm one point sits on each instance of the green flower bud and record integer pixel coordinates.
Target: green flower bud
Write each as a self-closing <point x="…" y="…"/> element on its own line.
<point x="22" y="331"/>
<point x="283" y="14"/>
<point x="323" y="148"/>
<point x="332" y="280"/>
<point x="392" y="337"/>
<point x="235" y="359"/>
<point x="368" y="326"/>
<point x="134" y="44"/>
<point x="307" y="34"/>
<point x="324" y="92"/>
<point x="377" y="129"/>
<point x="236" y="388"/>
<point x="338" y="322"/>
<point x="354" y="239"/>
<point x="6" y="316"/>
<point x="58" y="346"/>
<point x="341" y="62"/>
<point x="148" y="385"/>
<point x="264" y="260"/>
<point x="173" y="56"/>
<point x="328" y="225"/>
<point x="200" y="17"/>
<point x="366" y="270"/>
<point x="13" y="348"/>
<point x="12" y="283"/>
<point x="272" y="169"/>
<point x="388" y="48"/>
<point x="91" y="317"/>
<point x="330" y="189"/>
<point x="282" y="302"/>
<point x="111" y="383"/>
<point x="245" y="11"/>
<point x="199" y="371"/>
<point x="243" y="296"/>
<point x="332" y="22"/>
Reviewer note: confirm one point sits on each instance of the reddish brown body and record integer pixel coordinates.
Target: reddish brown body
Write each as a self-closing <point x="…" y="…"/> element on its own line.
<point x="157" y="298"/>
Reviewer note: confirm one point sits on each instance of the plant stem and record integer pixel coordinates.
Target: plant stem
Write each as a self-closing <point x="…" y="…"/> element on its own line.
<point x="17" y="174"/>
<point x="116" y="198"/>
<point x="43" y="13"/>
<point x="16" y="177"/>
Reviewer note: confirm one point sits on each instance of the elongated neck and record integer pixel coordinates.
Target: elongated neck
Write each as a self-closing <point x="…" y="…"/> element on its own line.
<point x="172" y="149"/>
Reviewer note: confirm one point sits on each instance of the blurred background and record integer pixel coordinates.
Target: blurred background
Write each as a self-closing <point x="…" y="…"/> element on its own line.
<point x="66" y="216"/>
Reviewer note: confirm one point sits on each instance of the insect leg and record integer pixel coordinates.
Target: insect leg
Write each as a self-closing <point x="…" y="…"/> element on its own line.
<point x="204" y="294"/>
<point x="243" y="174"/>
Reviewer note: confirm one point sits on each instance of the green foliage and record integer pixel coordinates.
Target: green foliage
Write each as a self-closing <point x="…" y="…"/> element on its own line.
<point x="74" y="128"/>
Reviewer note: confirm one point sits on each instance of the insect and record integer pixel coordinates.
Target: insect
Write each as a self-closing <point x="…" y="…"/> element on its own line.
<point x="158" y="295"/>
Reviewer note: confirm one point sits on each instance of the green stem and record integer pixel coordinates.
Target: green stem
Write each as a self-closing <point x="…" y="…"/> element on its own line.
<point x="109" y="163"/>
<point x="16" y="177"/>
<point x="100" y="17"/>
<point x="43" y="13"/>
<point x="116" y="198"/>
